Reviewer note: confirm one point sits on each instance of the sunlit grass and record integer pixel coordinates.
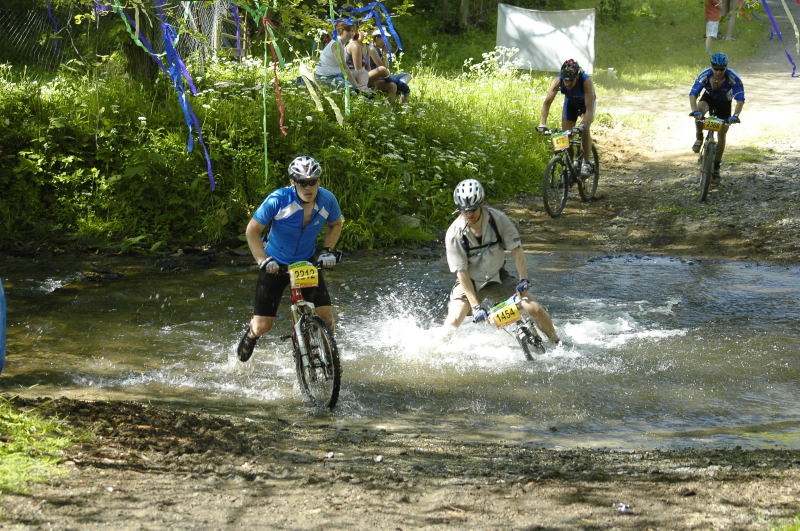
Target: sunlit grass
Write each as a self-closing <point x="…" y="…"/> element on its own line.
<point x="31" y="447"/>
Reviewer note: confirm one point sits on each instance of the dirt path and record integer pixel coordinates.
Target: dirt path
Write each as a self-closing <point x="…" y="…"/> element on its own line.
<point x="647" y="199"/>
<point x="155" y="469"/>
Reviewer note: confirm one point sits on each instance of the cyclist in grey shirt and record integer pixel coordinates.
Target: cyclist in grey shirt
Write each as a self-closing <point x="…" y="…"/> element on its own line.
<point x="476" y="242"/>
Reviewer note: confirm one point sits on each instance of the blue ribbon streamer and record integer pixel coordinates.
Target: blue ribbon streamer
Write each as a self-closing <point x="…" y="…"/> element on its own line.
<point x="177" y="72"/>
<point x="235" y="10"/>
<point x="794" y="66"/>
<point x="374" y="11"/>
<point x="144" y="42"/>
<point x="772" y="21"/>
<point x="55" y="24"/>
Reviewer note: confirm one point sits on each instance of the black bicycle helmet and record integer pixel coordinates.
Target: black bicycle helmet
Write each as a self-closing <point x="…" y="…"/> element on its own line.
<point x="719" y="59"/>
<point x="304" y="168"/>
<point x="570" y="70"/>
<point x="468" y="194"/>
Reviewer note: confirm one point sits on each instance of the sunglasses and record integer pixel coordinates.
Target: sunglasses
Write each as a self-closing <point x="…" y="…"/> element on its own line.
<point x="306" y="183"/>
<point x="473" y="209"/>
<point x="719" y="68"/>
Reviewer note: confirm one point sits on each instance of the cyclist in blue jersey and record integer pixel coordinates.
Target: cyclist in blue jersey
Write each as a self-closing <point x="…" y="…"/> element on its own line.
<point x="295" y="216"/>
<point x="720" y="86"/>
<point x="580" y="99"/>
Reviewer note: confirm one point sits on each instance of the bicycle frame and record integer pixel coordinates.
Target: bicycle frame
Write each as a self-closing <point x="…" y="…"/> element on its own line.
<point x="524" y="329"/>
<point x="300" y="308"/>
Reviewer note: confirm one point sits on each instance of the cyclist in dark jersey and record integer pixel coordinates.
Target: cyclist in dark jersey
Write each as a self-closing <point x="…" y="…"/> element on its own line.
<point x="580" y="99"/>
<point x="295" y="215"/>
<point x="720" y="86"/>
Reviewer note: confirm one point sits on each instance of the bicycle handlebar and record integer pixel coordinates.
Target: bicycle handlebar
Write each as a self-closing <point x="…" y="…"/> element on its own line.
<point x="284" y="268"/>
<point x="574" y="131"/>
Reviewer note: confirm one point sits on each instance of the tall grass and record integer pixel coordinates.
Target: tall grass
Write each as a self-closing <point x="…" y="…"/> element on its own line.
<point x="31" y="447"/>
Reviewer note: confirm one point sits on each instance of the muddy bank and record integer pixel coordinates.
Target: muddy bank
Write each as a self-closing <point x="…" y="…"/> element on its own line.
<point x="155" y="469"/>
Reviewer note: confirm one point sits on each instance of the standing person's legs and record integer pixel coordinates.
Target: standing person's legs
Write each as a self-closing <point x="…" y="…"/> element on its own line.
<point x="712" y="28"/>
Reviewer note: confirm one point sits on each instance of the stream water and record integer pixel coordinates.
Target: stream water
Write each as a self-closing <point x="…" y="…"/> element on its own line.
<point x="656" y="353"/>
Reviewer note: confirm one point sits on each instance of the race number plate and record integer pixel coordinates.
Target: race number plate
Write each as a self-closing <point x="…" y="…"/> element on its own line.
<point x="506" y="313"/>
<point x="561" y="141"/>
<point x="303" y="275"/>
<point x="712" y="124"/>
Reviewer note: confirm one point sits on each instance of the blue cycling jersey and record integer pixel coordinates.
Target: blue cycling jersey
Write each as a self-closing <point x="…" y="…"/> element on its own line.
<point x="288" y="240"/>
<point x="576" y="92"/>
<point x="730" y="89"/>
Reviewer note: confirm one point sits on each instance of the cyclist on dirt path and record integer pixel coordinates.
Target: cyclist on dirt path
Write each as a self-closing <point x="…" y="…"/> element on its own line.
<point x="295" y="215"/>
<point x="476" y="243"/>
<point x="720" y="85"/>
<point x="580" y="99"/>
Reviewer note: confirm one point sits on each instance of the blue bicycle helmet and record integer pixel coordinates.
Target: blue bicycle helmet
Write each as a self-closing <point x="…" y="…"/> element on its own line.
<point x="719" y="59"/>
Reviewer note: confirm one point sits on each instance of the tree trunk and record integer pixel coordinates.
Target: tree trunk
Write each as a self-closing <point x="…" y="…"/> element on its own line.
<point x="463" y="15"/>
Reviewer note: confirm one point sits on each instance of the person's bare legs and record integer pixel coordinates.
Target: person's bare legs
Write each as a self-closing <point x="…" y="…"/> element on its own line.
<point x="457" y="310"/>
<point x="541" y="318"/>
<point x="326" y="313"/>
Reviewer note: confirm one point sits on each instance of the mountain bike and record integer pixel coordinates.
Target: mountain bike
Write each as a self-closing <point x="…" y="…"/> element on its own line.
<point x="316" y="356"/>
<point x="564" y="169"/>
<point x="517" y="323"/>
<point x="708" y="152"/>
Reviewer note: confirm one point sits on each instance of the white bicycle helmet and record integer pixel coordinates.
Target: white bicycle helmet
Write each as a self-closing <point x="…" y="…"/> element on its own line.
<point x="468" y="194"/>
<point x="304" y="168"/>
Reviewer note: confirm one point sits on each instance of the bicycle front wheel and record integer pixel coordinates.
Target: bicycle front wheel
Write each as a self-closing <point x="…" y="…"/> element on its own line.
<point x="707" y="167"/>
<point x="555" y="186"/>
<point x="530" y="341"/>
<point x="587" y="186"/>
<point x="320" y="378"/>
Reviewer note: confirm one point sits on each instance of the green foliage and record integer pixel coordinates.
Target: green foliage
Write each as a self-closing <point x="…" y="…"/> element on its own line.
<point x="31" y="447"/>
<point x="102" y="158"/>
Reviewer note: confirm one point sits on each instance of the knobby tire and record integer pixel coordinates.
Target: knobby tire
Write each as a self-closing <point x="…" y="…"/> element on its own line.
<point x="587" y="186"/>
<point x="320" y="381"/>
<point x="707" y="167"/>
<point x="528" y="344"/>
<point x="555" y="186"/>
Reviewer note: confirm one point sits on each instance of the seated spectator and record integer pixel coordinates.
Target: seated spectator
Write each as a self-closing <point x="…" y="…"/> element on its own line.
<point x="379" y="67"/>
<point x="359" y="59"/>
<point x="356" y="59"/>
<point x="328" y="69"/>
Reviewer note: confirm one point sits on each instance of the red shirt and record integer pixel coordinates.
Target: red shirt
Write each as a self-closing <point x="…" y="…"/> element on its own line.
<point x="713" y="10"/>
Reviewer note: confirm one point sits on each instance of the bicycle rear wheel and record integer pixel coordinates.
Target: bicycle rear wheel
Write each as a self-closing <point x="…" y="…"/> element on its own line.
<point x="530" y="340"/>
<point x="555" y="186"/>
<point x="707" y="167"/>
<point x="321" y="378"/>
<point x="587" y="186"/>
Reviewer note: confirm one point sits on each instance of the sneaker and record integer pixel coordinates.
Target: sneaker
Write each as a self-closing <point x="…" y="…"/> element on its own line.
<point x="697" y="145"/>
<point x="246" y="345"/>
<point x="586" y="169"/>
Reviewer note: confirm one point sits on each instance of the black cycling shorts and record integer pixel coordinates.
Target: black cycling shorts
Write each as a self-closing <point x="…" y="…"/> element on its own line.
<point x="270" y="288"/>
<point x="719" y="107"/>
<point x="573" y="108"/>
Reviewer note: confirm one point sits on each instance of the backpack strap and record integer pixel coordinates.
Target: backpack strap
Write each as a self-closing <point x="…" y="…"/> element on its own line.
<point x="465" y="241"/>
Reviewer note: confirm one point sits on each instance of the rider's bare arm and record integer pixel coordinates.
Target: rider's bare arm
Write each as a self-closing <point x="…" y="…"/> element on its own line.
<point x="693" y="102"/>
<point x="520" y="262"/>
<point x="590" y="98"/>
<point x="333" y="233"/>
<point x="548" y="100"/>
<point x="253" y="233"/>
<point x="469" y="288"/>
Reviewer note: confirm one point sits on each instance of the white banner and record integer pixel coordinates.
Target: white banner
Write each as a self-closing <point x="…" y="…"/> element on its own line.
<point x="545" y="39"/>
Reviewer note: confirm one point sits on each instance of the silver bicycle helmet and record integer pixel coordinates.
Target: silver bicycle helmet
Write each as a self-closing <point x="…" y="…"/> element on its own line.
<point x="468" y="194"/>
<point x="304" y="168"/>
